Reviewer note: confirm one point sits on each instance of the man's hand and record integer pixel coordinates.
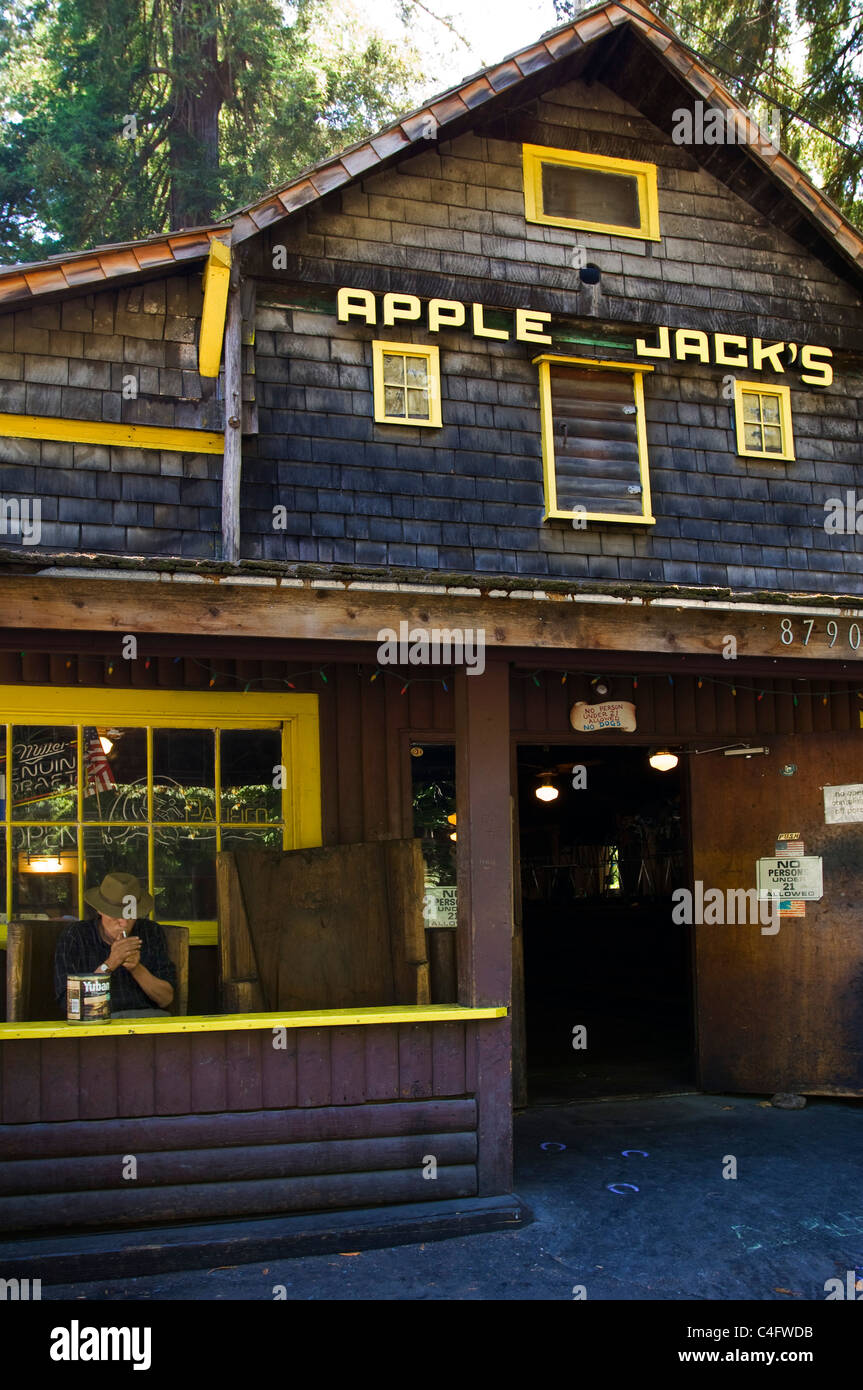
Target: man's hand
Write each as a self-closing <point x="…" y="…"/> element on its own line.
<point x="126" y="951"/>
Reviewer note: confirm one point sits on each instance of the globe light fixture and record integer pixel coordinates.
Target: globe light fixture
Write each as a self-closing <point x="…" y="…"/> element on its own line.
<point x="663" y="760"/>
<point x="547" y="791"/>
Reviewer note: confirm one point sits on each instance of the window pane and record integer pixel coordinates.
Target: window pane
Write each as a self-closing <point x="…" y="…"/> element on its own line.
<point x="418" y="405"/>
<point x="773" y="439"/>
<point x="249" y="757"/>
<point x="750" y="406"/>
<point x="433" y="780"/>
<point x="44" y="772"/>
<point x="114" y="849"/>
<point x="44" y="871"/>
<point x="770" y="410"/>
<point x="184" y="774"/>
<point x="4" y="906"/>
<point x="417" y="371"/>
<point x="263" y="837"/>
<point x="394" y="370"/>
<point x="597" y="464"/>
<point x="185" y="874"/>
<point x="394" y="400"/>
<point x="752" y="436"/>
<point x="590" y="195"/>
<point x="115" y="771"/>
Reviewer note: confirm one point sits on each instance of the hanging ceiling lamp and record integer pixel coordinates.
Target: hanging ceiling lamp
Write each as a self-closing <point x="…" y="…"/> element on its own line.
<point x="546" y="791"/>
<point x="663" y="760"/>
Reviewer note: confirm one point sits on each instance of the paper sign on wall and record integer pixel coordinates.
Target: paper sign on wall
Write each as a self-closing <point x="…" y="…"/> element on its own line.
<point x="440" y="906"/>
<point x="610" y="714"/>
<point x="843" y="805"/>
<point x="795" y="877"/>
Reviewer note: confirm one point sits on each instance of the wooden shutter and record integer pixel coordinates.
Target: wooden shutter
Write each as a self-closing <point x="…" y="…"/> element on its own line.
<point x="596" y="455"/>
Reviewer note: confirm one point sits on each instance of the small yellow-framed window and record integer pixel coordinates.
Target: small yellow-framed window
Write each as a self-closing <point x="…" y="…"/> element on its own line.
<point x="762" y="417"/>
<point x="594" y="440"/>
<point x="153" y="782"/>
<point x="407" y="384"/>
<point x="568" y="188"/>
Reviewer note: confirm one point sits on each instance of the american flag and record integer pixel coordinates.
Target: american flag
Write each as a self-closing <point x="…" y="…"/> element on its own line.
<point x="100" y="778"/>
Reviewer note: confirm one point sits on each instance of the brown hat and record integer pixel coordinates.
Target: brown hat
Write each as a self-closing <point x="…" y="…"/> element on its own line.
<point x="114" y="888"/>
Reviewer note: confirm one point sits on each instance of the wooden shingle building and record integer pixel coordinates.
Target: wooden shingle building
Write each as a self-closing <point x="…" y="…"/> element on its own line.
<point x="527" y="381"/>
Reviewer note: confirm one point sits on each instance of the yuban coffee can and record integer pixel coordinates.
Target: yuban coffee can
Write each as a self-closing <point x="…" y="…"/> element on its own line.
<point x="88" y="998"/>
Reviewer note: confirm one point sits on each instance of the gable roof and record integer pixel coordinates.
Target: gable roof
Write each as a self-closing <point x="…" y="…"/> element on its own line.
<point x="611" y="40"/>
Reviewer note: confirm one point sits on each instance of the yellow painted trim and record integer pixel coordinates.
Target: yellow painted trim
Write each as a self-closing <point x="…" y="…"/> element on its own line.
<point x="297" y="714"/>
<point x="113" y="435"/>
<point x="161" y="708"/>
<point x="757" y="388"/>
<point x="233" y="1023"/>
<point x="432" y="356"/>
<point x="546" y="414"/>
<point x="534" y="156"/>
<point x="217" y="279"/>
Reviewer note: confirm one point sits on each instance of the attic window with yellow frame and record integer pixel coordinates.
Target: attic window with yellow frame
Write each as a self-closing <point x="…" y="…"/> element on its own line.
<point x="407" y="384"/>
<point x="567" y="188"/>
<point x="762" y="416"/>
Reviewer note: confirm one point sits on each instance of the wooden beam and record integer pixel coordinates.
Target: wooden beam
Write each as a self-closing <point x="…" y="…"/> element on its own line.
<point x="225" y="609"/>
<point x="114" y="435"/>
<point x="233" y="457"/>
<point x="485" y="924"/>
<point x="217" y="275"/>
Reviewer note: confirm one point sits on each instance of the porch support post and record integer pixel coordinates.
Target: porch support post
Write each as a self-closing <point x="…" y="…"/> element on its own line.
<point x="485" y="903"/>
<point x="233" y="457"/>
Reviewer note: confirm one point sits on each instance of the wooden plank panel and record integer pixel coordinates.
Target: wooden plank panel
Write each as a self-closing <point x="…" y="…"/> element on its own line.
<point x="705" y="707"/>
<point x="22" y="1084"/>
<point x="373" y="788"/>
<point x="419" y="709"/>
<point x="349" y="737"/>
<point x="803" y="709"/>
<point x="136" y="1076"/>
<point x="684" y="707"/>
<point x="97" y="1078"/>
<point x="784" y="705"/>
<point x="382" y="1062"/>
<point x="235" y="1163"/>
<point x="314" y="1067"/>
<point x="780" y="1011"/>
<point x="173" y="1079"/>
<point x="399" y="802"/>
<point x="663" y="706"/>
<point x="279" y="1070"/>
<point x="217" y="1199"/>
<point x="415" y="1060"/>
<point x="243" y="1067"/>
<point x="59" y="1079"/>
<point x="348" y="1064"/>
<point x="443" y="712"/>
<point x="448" y="1058"/>
<point x="209" y="1061"/>
<point x="643" y="697"/>
<point x="249" y="1127"/>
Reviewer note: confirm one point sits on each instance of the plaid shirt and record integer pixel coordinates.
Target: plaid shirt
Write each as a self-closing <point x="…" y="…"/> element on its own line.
<point x="81" y="948"/>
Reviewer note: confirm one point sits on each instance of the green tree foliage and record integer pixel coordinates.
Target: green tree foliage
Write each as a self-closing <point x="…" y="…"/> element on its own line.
<point x="120" y="118"/>
<point x="801" y="57"/>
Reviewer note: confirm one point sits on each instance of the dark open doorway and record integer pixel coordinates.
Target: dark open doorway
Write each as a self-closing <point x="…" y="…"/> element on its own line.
<point x="599" y="863"/>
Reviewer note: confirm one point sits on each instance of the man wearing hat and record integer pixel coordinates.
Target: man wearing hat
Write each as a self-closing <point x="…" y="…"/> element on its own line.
<point x="117" y="942"/>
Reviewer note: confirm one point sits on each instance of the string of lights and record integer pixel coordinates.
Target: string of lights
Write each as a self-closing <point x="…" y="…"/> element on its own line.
<point x="218" y="677"/>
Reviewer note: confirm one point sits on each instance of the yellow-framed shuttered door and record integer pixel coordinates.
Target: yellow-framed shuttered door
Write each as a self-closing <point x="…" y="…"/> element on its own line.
<point x="153" y="783"/>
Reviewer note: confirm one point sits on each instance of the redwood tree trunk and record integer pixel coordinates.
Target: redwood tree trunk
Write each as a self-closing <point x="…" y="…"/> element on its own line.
<point x="197" y="100"/>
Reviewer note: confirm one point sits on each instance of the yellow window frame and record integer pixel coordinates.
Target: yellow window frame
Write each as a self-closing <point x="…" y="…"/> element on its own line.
<point x="534" y="156"/>
<point x="552" y="510"/>
<point x="432" y="356"/>
<point x="780" y="393"/>
<point x="296" y="714"/>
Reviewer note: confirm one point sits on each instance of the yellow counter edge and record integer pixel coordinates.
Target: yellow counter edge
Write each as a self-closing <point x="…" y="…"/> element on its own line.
<point x="215" y="1023"/>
